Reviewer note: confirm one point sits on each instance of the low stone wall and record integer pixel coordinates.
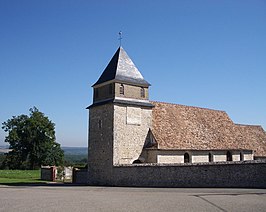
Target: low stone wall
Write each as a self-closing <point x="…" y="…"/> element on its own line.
<point x="48" y="173"/>
<point x="244" y="174"/>
<point x="80" y="176"/>
<point x="53" y="173"/>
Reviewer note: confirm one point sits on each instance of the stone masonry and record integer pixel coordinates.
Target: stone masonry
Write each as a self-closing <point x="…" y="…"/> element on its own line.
<point x="125" y="128"/>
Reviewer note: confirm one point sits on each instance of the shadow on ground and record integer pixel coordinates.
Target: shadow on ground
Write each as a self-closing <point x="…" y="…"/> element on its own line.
<point x="41" y="183"/>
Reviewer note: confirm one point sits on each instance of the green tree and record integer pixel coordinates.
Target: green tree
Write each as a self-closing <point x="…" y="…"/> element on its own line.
<point x="2" y="159"/>
<point x="32" y="140"/>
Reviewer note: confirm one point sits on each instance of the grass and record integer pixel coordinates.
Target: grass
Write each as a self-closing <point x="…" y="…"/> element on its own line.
<point x="20" y="176"/>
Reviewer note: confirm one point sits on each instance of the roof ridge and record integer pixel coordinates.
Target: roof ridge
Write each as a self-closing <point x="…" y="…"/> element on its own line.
<point x="248" y="125"/>
<point x="196" y="107"/>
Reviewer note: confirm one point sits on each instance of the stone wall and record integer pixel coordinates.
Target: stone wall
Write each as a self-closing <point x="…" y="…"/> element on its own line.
<point x="243" y="174"/>
<point x="48" y="173"/>
<point x="131" y="91"/>
<point x="219" y="157"/>
<point x="100" y="145"/>
<point x="196" y="156"/>
<point x="170" y="158"/>
<point x="131" y="126"/>
<point x="52" y="173"/>
<point x="108" y="91"/>
<point x="80" y="176"/>
<point x="248" y="156"/>
<point x="200" y="157"/>
<point x="103" y="92"/>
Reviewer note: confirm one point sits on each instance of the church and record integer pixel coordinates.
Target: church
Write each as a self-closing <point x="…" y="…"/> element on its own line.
<point x="127" y="129"/>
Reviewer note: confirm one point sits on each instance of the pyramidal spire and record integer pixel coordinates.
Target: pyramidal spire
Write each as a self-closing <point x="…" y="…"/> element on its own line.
<point x="122" y="69"/>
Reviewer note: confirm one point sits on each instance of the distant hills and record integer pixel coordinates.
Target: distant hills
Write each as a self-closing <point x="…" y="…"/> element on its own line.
<point x="74" y="156"/>
<point x="75" y="150"/>
<point x="67" y="150"/>
<point x="4" y="149"/>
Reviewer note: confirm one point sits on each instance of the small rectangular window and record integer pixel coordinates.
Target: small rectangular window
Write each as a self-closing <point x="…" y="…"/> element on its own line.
<point x="100" y="124"/>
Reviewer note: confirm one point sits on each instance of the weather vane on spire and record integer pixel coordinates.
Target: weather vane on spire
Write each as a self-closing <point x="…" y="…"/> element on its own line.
<point x="120" y="37"/>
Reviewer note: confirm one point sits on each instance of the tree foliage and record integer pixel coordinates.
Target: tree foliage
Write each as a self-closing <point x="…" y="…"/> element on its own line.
<point x="32" y="140"/>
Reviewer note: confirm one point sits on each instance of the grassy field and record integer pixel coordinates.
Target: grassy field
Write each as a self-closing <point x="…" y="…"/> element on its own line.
<point x="20" y="176"/>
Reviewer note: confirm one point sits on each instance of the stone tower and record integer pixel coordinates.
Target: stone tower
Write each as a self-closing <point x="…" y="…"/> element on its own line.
<point x="119" y="118"/>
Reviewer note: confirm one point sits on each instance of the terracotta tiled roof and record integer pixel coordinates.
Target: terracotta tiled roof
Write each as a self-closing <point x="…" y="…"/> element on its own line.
<point x="253" y="137"/>
<point x="185" y="127"/>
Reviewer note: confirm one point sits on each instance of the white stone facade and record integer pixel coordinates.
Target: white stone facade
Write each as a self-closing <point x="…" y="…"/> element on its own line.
<point x="131" y="126"/>
<point x="195" y="156"/>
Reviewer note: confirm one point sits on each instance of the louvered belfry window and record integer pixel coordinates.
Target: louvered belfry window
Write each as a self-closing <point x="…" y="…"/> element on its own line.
<point x="142" y="92"/>
<point x="121" y="89"/>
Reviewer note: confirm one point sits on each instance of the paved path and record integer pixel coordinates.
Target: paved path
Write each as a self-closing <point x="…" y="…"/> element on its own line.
<point x="86" y="198"/>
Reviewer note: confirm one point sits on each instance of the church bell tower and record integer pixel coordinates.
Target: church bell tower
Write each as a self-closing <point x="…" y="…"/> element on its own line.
<point x="120" y="116"/>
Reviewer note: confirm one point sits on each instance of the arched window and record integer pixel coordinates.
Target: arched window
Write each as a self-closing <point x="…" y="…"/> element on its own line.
<point x="121" y="89"/>
<point x="137" y="161"/>
<point x="142" y="92"/>
<point x="229" y="156"/>
<point x="241" y="156"/>
<point x="186" y="158"/>
<point x="210" y="157"/>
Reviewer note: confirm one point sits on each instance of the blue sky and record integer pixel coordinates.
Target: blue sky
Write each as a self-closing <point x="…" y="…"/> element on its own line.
<point x="206" y="53"/>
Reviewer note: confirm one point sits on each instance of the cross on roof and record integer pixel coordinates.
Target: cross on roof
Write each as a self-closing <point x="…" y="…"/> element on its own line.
<point x="120" y="38"/>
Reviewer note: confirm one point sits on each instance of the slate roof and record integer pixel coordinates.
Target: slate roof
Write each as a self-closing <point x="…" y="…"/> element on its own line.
<point x="186" y="127"/>
<point x="122" y="69"/>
